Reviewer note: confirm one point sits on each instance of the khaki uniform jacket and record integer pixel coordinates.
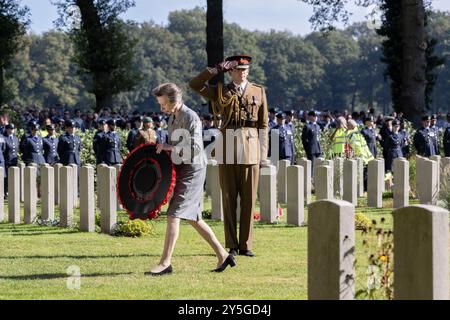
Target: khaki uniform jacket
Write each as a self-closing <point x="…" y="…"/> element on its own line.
<point x="145" y="137"/>
<point x="249" y="148"/>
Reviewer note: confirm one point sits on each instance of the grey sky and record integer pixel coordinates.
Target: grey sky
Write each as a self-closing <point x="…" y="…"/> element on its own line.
<point x="264" y="15"/>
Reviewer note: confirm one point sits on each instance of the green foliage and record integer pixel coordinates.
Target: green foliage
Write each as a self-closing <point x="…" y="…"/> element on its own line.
<point x="362" y="222"/>
<point x="378" y="246"/>
<point x="133" y="228"/>
<point x="444" y="189"/>
<point x="14" y="20"/>
<point x="207" y="214"/>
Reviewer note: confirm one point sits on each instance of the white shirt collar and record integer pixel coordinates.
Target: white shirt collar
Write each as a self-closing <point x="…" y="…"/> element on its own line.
<point x="243" y="85"/>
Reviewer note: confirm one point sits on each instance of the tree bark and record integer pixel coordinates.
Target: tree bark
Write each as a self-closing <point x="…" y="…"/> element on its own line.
<point x="413" y="68"/>
<point x="214" y="36"/>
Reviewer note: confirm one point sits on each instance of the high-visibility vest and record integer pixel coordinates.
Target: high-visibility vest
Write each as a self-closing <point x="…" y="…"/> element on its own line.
<point x="339" y="141"/>
<point x="358" y="145"/>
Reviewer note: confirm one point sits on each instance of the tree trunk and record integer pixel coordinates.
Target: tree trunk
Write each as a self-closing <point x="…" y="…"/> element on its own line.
<point x="103" y="101"/>
<point x="413" y="62"/>
<point x="214" y="36"/>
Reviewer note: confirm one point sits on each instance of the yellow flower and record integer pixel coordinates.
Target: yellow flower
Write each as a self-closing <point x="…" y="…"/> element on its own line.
<point x="383" y="258"/>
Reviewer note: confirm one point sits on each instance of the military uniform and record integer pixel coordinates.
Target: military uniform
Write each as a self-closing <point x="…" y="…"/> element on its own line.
<point x="51" y="150"/>
<point x="394" y="150"/>
<point x="286" y="142"/>
<point x="434" y="136"/>
<point x="69" y="148"/>
<point x="11" y="152"/>
<point x="446" y="141"/>
<point x="371" y="138"/>
<point x="111" y="148"/>
<point x="424" y="143"/>
<point x="405" y="143"/>
<point x="243" y="111"/>
<point x="97" y="143"/>
<point x="145" y="137"/>
<point x="311" y="141"/>
<point x="33" y="150"/>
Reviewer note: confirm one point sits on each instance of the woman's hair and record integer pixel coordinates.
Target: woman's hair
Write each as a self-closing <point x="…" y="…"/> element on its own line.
<point x="171" y="91"/>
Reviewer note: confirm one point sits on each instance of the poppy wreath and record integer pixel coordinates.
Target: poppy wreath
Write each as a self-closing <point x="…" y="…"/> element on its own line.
<point x="145" y="182"/>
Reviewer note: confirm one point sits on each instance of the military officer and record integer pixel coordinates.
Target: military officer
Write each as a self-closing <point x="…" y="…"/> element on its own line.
<point x="146" y="135"/>
<point x="134" y="132"/>
<point x="51" y="146"/>
<point x="422" y="141"/>
<point x="289" y="122"/>
<point x="244" y="111"/>
<point x="446" y="141"/>
<point x="11" y="153"/>
<point x="33" y="146"/>
<point x="272" y="118"/>
<point x="285" y="137"/>
<point x="311" y="138"/>
<point x="393" y="145"/>
<point x="69" y="145"/>
<point x="370" y="135"/>
<point x="162" y="135"/>
<point x="111" y="144"/>
<point x="98" y="141"/>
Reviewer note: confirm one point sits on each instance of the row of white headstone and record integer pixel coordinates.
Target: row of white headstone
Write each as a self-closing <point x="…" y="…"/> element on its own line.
<point x="334" y="179"/>
<point x="60" y="186"/>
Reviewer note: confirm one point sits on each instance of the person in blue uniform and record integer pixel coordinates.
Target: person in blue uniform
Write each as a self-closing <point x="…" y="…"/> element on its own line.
<point x="393" y="145"/>
<point x="51" y="146"/>
<point x="289" y="121"/>
<point x="137" y="125"/>
<point x="161" y="134"/>
<point x="33" y="146"/>
<point x="11" y="152"/>
<point x="111" y="144"/>
<point x="422" y="141"/>
<point x="369" y="133"/>
<point x="210" y="132"/>
<point x="285" y="138"/>
<point x="446" y="140"/>
<point x="98" y="140"/>
<point x="272" y="118"/>
<point x="311" y="138"/>
<point x="69" y="145"/>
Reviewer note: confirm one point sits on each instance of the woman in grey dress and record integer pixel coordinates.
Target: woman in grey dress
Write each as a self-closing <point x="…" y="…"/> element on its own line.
<point x="186" y="146"/>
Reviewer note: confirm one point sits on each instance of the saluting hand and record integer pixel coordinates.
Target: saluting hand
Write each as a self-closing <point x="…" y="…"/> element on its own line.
<point x="226" y="66"/>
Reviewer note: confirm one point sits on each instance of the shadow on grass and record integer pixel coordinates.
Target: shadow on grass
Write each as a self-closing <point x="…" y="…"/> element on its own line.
<point x="51" y="276"/>
<point x="80" y="257"/>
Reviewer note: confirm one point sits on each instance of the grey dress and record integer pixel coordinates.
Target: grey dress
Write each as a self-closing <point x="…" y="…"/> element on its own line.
<point x="190" y="164"/>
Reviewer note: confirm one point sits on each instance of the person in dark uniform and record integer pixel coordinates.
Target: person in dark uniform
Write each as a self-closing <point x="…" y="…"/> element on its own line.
<point x="406" y="141"/>
<point x="371" y="136"/>
<point x="446" y="141"/>
<point x="210" y="132"/>
<point x="51" y="146"/>
<point x="137" y="125"/>
<point x="111" y="144"/>
<point x="98" y="140"/>
<point x="393" y="145"/>
<point x="161" y="134"/>
<point x="272" y="118"/>
<point x="422" y="140"/>
<point x="285" y="137"/>
<point x="11" y="152"/>
<point x="289" y="122"/>
<point x="69" y="145"/>
<point x="33" y="146"/>
<point x="434" y="133"/>
<point x="385" y="132"/>
<point x="311" y="138"/>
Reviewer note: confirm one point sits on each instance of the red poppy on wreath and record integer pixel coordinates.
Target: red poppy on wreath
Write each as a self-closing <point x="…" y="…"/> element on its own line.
<point x="256" y="216"/>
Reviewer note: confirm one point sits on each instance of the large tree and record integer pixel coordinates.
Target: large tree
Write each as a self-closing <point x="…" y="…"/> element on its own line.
<point x="405" y="49"/>
<point x="104" y="45"/>
<point x="14" y="20"/>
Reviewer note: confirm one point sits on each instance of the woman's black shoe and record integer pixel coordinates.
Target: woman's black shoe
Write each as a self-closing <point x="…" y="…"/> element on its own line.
<point x="167" y="270"/>
<point x="230" y="260"/>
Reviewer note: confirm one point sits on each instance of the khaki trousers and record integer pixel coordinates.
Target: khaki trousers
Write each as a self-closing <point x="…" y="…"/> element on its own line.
<point x="242" y="180"/>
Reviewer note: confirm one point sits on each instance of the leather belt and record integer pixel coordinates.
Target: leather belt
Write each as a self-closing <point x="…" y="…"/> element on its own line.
<point x="245" y="123"/>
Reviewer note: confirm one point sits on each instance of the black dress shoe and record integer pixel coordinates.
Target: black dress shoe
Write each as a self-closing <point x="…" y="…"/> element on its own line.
<point x="229" y="261"/>
<point x="233" y="252"/>
<point x="167" y="270"/>
<point x="247" y="253"/>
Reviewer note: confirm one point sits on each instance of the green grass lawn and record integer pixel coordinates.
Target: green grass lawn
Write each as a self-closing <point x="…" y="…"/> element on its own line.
<point x="34" y="262"/>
